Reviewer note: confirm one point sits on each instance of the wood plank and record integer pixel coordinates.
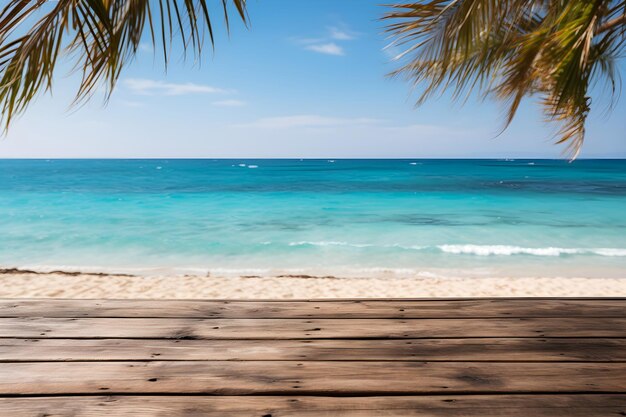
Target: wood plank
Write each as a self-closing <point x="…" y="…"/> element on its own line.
<point x="597" y="405"/>
<point x="490" y="350"/>
<point x="308" y="329"/>
<point x="314" y="378"/>
<point x="459" y="412"/>
<point x="488" y="308"/>
<point x="524" y="352"/>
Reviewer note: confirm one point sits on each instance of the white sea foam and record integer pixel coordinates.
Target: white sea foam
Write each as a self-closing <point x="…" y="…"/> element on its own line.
<point x="478" y="250"/>
<point x="610" y="252"/>
<point x="253" y="166"/>
<point x="505" y="250"/>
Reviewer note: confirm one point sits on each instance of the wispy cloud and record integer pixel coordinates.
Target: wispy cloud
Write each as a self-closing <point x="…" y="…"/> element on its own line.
<point x="341" y="34"/>
<point x="330" y="48"/>
<point x="308" y="120"/>
<point x="155" y="87"/>
<point x="328" y="44"/>
<point x="229" y="103"/>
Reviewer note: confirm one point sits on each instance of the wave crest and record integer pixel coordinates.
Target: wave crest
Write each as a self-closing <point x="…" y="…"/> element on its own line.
<point x="478" y="250"/>
<point x="505" y="250"/>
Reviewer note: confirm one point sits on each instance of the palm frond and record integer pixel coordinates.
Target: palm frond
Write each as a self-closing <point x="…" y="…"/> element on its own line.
<point x="102" y="36"/>
<point x="512" y="49"/>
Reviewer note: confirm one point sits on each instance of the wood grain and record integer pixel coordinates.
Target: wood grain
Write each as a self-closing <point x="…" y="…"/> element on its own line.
<point x="319" y="358"/>
<point x="424" y="406"/>
<point x="308" y="329"/>
<point x="263" y="377"/>
<point x="467" y="308"/>
<point x="489" y="350"/>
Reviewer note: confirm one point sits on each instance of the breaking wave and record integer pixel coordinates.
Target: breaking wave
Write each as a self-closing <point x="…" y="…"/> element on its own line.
<point x="479" y="250"/>
<point x="505" y="250"/>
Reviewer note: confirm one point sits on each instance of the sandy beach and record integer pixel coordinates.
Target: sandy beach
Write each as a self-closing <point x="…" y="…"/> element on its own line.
<point x="24" y="284"/>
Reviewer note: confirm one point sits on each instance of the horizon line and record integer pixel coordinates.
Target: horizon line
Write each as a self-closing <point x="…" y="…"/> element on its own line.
<point x="620" y="158"/>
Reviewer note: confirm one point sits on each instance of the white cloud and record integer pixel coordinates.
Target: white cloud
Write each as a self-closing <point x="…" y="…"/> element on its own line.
<point x="328" y="44"/>
<point x="229" y="103"/>
<point x="341" y="35"/>
<point x="330" y="48"/>
<point x="309" y="120"/>
<point x="154" y="87"/>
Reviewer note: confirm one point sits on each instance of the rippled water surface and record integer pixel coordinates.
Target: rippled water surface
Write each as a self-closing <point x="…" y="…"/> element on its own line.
<point x="448" y="217"/>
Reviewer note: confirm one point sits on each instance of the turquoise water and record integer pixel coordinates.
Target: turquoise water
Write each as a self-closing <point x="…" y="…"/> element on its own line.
<point x="351" y="217"/>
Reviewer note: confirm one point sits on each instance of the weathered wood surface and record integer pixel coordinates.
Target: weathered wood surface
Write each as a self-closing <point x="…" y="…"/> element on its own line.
<point x="472" y="350"/>
<point x="597" y="405"/>
<point x="353" y="358"/>
<point x="409" y="406"/>
<point x="160" y="328"/>
<point x="309" y="377"/>
<point x="366" y="309"/>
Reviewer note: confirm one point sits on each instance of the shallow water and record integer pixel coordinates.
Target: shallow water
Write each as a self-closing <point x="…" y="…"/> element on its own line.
<point x="350" y="217"/>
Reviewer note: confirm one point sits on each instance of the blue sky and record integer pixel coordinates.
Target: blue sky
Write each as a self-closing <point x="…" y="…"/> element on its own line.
<point x="306" y="79"/>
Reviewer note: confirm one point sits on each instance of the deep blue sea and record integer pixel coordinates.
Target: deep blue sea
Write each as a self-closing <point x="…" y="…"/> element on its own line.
<point x="341" y="217"/>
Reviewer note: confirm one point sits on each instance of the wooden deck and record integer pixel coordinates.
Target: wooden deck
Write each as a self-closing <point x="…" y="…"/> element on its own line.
<point x="353" y="358"/>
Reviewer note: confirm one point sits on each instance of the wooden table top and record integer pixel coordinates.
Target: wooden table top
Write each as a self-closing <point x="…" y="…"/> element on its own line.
<point x="357" y="358"/>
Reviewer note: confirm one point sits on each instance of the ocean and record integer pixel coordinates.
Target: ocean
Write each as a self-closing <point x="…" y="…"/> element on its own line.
<point x="431" y="218"/>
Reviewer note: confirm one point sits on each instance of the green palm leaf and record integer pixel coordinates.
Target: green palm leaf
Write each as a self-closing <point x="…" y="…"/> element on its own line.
<point x="102" y="36"/>
<point x="512" y="49"/>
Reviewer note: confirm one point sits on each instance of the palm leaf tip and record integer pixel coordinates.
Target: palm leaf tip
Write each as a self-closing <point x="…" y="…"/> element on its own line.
<point x="512" y="49"/>
<point x="102" y="36"/>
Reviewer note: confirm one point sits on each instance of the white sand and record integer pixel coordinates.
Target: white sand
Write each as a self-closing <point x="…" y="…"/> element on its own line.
<point x="18" y="285"/>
